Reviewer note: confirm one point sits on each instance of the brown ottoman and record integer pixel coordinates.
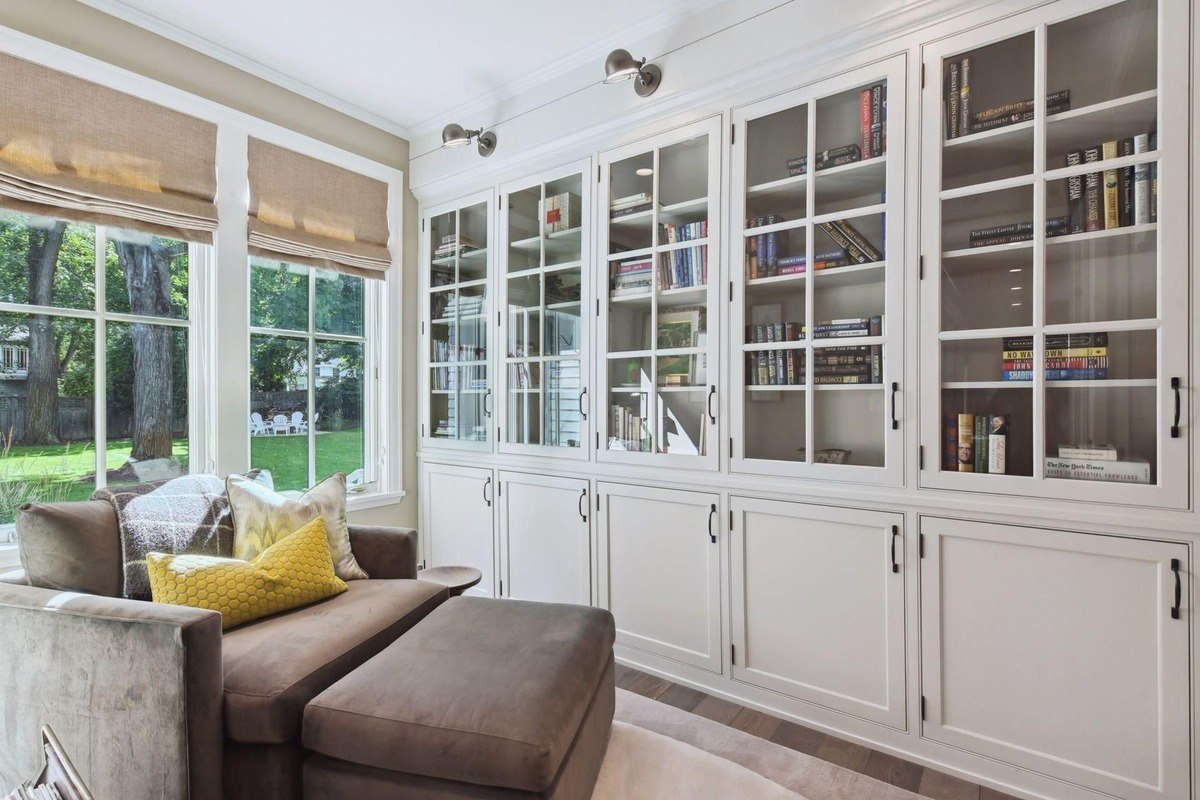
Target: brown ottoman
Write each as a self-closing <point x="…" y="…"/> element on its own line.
<point x="482" y="699"/>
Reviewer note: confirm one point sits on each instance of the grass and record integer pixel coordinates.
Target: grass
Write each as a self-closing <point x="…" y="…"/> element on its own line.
<point x="287" y="456"/>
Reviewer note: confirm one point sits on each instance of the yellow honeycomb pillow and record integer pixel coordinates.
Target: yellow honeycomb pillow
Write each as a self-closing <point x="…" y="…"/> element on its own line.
<point x="293" y="572"/>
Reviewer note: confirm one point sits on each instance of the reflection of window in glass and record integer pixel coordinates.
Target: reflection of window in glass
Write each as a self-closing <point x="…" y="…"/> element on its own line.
<point x="307" y="323"/>
<point x="128" y="288"/>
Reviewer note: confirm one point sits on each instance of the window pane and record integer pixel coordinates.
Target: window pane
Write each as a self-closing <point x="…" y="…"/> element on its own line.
<point x="47" y="262"/>
<point x="338" y="414"/>
<point x="144" y="274"/>
<point x="278" y="295"/>
<point x="146" y="403"/>
<point x="47" y="377"/>
<point x="339" y="306"/>
<point x="278" y="391"/>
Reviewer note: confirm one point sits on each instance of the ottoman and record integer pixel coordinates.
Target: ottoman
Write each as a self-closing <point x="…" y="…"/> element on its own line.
<point x="481" y="699"/>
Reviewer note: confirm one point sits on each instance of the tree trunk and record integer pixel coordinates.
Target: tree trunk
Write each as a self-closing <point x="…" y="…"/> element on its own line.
<point x="41" y="408"/>
<point x="147" y="270"/>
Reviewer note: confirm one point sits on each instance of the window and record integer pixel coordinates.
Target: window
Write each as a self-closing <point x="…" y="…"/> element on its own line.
<point x="310" y="361"/>
<point x="94" y="359"/>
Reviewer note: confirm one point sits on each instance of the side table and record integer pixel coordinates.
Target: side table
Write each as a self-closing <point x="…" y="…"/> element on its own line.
<point x="456" y="579"/>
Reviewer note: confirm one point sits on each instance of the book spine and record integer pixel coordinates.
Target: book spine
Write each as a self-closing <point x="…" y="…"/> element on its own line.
<point x="997" y="444"/>
<point x="1112" y="218"/>
<point x="964" y="91"/>
<point x="1141" y="182"/>
<point x="950" y="443"/>
<point x="952" y="101"/>
<point x="1153" y="180"/>
<point x="1093" y="199"/>
<point x="876" y="141"/>
<point x="864" y="119"/>
<point x="838" y="236"/>
<point x="1113" y="471"/>
<point x="1125" y="185"/>
<point x="876" y="363"/>
<point x="1075" y="193"/>
<point x="1087" y="453"/>
<point x="966" y="442"/>
<point x="865" y="247"/>
<point x="981" y="440"/>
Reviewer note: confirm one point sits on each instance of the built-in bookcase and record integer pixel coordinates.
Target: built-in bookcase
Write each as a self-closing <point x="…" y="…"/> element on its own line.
<point x="544" y="273"/>
<point x="657" y="333"/>
<point x="817" y="362"/>
<point x="1054" y="247"/>
<point x="457" y="259"/>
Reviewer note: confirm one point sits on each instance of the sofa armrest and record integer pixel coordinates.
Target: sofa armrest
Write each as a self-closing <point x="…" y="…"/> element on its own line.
<point x="16" y="577"/>
<point x="133" y="689"/>
<point x="385" y="552"/>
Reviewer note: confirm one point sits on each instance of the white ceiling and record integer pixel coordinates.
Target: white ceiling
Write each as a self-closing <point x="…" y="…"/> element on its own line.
<point x="405" y="64"/>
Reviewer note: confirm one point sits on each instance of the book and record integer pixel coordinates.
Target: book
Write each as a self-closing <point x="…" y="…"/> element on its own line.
<point x="864" y="120"/>
<point x="964" y="95"/>
<point x="837" y="156"/>
<point x="950" y="442"/>
<point x="1088" y="451"/>
<point x="1135" y="470"/>
<point x="966" y="442"/>
<point x="1153" y="179"/>
<point x="876" y="140"/>
<point x="1141" y="182"/>
<point x="1112" y="219"/>
<point x="1093" y="198"/>
<point x="1012" y="119"/>
<point x="997" y="444"/>
<point x="1075" y="212"/>
<point x="1017" y="231"/>
<point x="1061" y="97"/>
<point x="1125" y="184"/>
<point x="629" y="210"/>
<point x="981" y="442"/>
<point x="953" y="98"/>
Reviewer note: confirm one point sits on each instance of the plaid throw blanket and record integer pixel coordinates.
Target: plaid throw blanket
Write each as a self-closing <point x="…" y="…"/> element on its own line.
<point x="188" y="514"/>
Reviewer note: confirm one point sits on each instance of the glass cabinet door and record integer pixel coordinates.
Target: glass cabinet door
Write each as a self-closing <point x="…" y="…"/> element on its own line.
<point x="1059" y="174"/>
<point x="545" y="246"/>
<point x="817" y="274"/>
<point x="659" y="242"/>
<point x="458" y="397"/>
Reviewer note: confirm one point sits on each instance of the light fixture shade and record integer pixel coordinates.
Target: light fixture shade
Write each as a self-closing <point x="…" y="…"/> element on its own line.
<point x="455" y="135"/>
<point x="620" y="66"/>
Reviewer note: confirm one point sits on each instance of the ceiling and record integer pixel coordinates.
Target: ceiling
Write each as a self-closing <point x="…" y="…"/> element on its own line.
<point x="404" y="64"/>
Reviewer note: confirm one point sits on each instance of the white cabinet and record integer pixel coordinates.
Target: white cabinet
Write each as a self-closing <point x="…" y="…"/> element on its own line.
<point x="818" y="605"/>
<point x="660" y="571"/>
<point x="1063" y="653"/>
<point x="545" y="541"/>
<point x="458" y="521"/>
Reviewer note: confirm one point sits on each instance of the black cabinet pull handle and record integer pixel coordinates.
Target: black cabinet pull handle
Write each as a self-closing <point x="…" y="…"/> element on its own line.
<point x="895" y="422"/>
<point x="1178" y="589"/>
<point x="487" y="403"/>
<point x="1176" y="385"/>
<point x="712" y="515"/>
<point x="583" y="504"/>
<point x="582" y="410"/>
<point x="487" y="495"/>
<point x="895" y="536"/>
<point x="712" y="416"/>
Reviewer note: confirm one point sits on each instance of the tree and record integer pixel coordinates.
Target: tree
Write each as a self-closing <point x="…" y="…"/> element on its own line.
<point x="45" y="365"/>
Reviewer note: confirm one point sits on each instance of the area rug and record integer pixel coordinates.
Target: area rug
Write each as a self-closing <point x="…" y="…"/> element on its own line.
<point x="658" y="751"/>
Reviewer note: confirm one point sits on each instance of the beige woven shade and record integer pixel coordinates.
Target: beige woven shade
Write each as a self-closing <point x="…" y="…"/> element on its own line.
<point x="306" y="211"/>
<point x="73" y="149"/>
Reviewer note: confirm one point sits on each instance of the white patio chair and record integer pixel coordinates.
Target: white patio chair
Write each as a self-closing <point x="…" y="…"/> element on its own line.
<point x="279" y="423"/>
<point x="298" y="423"/>
<point x="257" y="426"/>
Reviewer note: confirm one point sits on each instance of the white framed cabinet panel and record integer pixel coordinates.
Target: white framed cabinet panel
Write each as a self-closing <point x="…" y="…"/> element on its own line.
<point x="459" y="521"/>
<point x="818" y="605"/>
<point x="660" y="567"/>
<point x="545" y="538"/>
<point x="1063" y="653"/>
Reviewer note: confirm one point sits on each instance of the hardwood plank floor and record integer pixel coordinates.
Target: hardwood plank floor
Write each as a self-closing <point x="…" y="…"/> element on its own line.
<point x="853" y="756"/>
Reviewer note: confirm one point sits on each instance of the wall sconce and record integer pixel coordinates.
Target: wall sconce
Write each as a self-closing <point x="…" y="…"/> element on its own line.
<point x="455" y="135"/>
<point x="620" y="66"/>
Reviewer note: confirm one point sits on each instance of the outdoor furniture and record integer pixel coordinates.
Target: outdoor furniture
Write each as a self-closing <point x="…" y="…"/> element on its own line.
<point x="279" y="423"/>
<point x="257" y="426"/>
<point x="298" y="423"/>
<point x="356" y="478"/>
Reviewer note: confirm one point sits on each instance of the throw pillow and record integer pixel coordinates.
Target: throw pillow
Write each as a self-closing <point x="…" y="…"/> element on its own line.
<point x="295" y="571"/>
<point x="262" y="516"/>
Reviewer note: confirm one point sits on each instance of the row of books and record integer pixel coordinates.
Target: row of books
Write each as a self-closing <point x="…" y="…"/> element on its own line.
<point x="961" y="120"/>
<point x="455" y="244"/>
<point x="832" y="157"/>
<point x="448" y="379"/>
<point x="629" y="430"/>
<point x="1096" y="462"/>
<point x="444" y="351"/>
<point x="685" y="267"/>
<point x="1011" y="232"/>
<point x="767" y="333"/>
<point x="1068" y="357"/>
<point x="975" y="443"/>
<point x="686" y="232"/>
<point x="845" y="365"/>
<point x="1114" y="198"/>
<point x="630" y="204"/>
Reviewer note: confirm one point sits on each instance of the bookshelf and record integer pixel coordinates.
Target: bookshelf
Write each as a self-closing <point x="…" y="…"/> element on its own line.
<point x="455" y="281"/>
<point x="658" y="294"/>
<point x="841" y="419"/>
<point x="544" y="245"/>
<point x="1054" y="218"/>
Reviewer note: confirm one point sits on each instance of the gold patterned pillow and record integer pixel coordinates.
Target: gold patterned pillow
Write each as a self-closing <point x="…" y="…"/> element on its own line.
<point x="295" y="571"/>
<point x="262" y="517"/>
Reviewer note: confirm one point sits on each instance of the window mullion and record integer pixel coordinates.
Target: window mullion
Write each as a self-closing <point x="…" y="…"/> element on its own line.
<point x="312" y="377"/>
<point x="100" y="391"/>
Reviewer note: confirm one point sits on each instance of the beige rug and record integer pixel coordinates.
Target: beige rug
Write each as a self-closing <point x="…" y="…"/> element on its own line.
<point x="658" y="752"/>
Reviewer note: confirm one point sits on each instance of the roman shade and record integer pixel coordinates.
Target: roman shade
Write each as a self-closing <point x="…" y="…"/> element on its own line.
<point x="74" y="149"/>
<point x="307" y="211"/>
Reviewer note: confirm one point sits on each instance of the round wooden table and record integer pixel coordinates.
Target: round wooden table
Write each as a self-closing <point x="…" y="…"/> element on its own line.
<point x="456" y="579"/>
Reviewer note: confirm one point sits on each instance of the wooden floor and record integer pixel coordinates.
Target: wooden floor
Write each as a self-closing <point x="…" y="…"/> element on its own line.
<point x="896" y="771"/>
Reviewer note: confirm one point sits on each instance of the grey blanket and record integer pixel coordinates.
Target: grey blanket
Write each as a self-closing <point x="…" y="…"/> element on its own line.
<point x="188" y="514"/>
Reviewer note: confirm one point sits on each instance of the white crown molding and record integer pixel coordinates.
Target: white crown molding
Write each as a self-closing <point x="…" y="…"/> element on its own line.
<point x="156" y="25"/>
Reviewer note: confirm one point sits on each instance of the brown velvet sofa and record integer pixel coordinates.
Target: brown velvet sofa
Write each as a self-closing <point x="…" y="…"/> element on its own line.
<point x="154" y="700"/>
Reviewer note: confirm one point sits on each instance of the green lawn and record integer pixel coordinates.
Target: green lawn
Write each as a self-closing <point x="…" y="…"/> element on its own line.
<point x="287" y="456"/>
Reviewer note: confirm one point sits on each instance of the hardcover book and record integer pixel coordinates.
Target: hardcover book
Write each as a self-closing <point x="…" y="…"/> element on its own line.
<point x="1112" y="218"/>
<point x="966" y="442"/>
<point x="1093" y="197"/>
<point x="1085" y="469"/>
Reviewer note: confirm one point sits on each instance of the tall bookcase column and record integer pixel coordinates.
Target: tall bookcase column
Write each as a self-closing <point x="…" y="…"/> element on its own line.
<point x="817" y="279"/>
<point x="543" y="284"/>
<point x="658" y="289"/>
<point x="457" y="398"/>
<point x="1055" y="249"/>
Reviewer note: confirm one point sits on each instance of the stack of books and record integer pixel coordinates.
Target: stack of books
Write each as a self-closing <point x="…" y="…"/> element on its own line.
<point x="872" y="120"/>
<point x="858" y="249"/>
<point x="833" y="157"/>
<point x="631" y="277"/>
<point x="796" y="265"/>
<point x="683" y="268"/>
<point x="1114" y="198"/>
<point x="455" y="244"/>
<point x="1092" y="462"/>
<point x="975" y="443"/>
<point x="629" y="430"/>
<point x="444" y="351"/>
<point x="1069" y="357"/>
<point x="463" y="305"/>
<point x="630" y="204"/>
<point x="1012" y="232"/>
<point x="561" y="212"/>
<point x="961" y="120"/>
<point x="848" y="328"/>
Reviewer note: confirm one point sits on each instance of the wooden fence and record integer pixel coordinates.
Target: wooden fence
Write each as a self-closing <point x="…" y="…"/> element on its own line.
<point x="76" y="420"/>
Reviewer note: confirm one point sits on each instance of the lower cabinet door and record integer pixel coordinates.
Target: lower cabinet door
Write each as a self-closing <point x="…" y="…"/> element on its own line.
<point x="1063" y="653"/>
<point x="818" y="605"/>
<point x="545" y="542"/>
<point x="458" y="507"/>
<point x="660" y="571"/>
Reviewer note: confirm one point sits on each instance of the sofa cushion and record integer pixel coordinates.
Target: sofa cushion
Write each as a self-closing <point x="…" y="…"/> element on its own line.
<point x="71" y="546"/>
<point x="490" y="692"/>
<point x="273" y="667"/>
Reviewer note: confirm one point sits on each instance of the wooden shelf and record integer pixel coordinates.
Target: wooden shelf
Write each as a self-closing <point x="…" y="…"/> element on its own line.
<point x="558" y="243"/>
<point x="850" y="181"/>
<point x="784" y="188"/>
<point x="850" y="275"/>
<point x="787" y="387"/>
<point x="848" y="387"/>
